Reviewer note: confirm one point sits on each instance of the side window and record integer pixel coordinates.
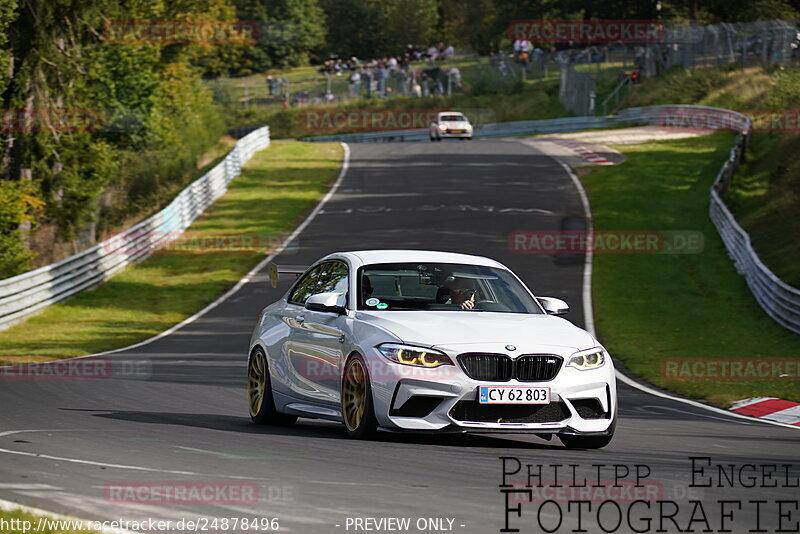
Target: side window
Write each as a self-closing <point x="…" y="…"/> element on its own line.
<point x="328" y="277"/>
<point x="333" y="279"/>
<point x="305" y="287"/>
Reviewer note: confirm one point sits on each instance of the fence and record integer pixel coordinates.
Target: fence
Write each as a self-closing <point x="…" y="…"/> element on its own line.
<point x="26" y="294"/>
<point x="576" y="91"/>
<point x="780" y="300"/>
<point x="763" y="43"/>
<point x="419" y="79"/>
<point x="752" y="43"/>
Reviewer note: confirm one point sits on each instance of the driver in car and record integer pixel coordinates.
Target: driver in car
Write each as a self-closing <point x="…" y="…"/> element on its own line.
<point x="462" y="293"/>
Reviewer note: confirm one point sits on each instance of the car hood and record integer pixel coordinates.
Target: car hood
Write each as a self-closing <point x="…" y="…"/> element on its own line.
<point x="454" y="124"/>
<point x="434" y="328"/>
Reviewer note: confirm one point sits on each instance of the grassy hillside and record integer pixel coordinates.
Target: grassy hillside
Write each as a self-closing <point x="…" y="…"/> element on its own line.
<point x="765" y="195"/>
<point x="657" y="310"/>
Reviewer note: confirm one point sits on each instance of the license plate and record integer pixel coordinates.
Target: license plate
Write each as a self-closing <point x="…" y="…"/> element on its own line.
<point x="456" y="131"/>
<point x="513" y="395"/>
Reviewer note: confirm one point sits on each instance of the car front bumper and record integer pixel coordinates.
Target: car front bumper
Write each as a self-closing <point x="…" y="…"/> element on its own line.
<point x="454" y="135"/>
<point x="445" y="399"/>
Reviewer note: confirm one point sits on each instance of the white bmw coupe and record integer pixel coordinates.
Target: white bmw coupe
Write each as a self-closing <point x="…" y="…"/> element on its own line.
<point x="407" y="340"/>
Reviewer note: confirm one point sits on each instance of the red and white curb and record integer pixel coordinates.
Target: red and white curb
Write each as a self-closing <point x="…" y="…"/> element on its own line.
<point x="781" y="411"/>
<point x="583" y="151"/>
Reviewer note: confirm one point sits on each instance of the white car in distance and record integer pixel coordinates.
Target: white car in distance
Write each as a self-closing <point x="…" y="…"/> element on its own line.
<point x="450" y="124"/>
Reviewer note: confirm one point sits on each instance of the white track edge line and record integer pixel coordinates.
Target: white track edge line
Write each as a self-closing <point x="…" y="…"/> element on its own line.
<point x="588" y="313"/>
<point x="228" y="294"/>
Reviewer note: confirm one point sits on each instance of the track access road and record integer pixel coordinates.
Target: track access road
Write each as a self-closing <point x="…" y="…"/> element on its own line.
<point x="183" y="419"/>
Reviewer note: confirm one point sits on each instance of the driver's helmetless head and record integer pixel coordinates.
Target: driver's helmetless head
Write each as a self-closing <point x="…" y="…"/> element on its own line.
<point x="461" y="291"/>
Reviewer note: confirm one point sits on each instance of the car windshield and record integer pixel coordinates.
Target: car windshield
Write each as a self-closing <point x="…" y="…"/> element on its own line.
<point x="442" y="286"/>
<point x="453" y="118"/>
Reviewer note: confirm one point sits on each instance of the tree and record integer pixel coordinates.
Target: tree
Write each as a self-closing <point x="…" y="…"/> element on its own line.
<point x="371" y="28"/>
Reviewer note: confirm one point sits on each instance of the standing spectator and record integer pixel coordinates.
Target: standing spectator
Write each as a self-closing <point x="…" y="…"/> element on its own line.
<point x="639" y="56"/>
<point x="355" y="83"/>
<point x="367" y="79"/>
<point x="454" y="76"/>
<point x="416" y="88"/>
<point x="433" y="53"/>
<point x="382" y="75"/>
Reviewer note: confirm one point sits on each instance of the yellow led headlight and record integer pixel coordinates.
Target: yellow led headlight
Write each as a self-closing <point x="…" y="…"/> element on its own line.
<point x="416" y="356"/>
<point x="590" y="359"/>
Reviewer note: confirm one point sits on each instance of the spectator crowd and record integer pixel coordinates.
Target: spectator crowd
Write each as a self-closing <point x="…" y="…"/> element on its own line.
<point x="417" y="72"/>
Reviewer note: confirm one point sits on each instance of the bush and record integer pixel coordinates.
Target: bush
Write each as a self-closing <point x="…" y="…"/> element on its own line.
<point x="17" y="205"/>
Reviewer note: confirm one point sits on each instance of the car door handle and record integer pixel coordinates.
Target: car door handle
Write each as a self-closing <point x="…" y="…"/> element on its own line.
<point x="300" y="319"/>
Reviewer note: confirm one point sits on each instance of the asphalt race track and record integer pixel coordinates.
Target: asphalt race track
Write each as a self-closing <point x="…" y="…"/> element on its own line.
<point x="183" y="416"/>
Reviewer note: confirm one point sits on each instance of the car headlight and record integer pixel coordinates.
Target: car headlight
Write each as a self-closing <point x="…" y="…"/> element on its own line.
<point x="590" y="359"/>
<point x="416" y="356"/>
<point x="468" y="127"/>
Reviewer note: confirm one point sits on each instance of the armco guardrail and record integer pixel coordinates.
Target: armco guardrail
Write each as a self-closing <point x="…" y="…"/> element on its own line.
<point x="25" y="294"/>
<point x="502" y="129"/>
<point x="778" y="299"/>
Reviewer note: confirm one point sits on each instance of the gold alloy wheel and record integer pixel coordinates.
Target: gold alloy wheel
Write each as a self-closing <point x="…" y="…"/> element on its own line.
<point x="354" y="394"/>
<point x="256" y="382"/>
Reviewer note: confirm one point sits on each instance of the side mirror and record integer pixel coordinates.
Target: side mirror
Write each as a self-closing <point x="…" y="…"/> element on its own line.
<point x="327" y="302"/>
<point x="553" y="306"/>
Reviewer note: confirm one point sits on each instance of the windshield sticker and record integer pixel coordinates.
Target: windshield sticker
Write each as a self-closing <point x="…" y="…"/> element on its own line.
<point x="382" y="306"/>
<point x="373" y="301"/>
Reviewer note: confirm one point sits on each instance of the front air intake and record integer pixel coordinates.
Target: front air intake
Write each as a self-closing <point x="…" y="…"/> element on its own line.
<point x="487" y="367"/>
<point x="537" y="367"/>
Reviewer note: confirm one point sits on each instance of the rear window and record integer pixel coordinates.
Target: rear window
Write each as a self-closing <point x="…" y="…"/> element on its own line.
<point x="453" y="118"/>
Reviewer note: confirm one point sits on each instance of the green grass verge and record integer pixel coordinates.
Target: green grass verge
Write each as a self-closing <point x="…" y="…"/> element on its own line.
<point x="19" y="522"/>
<point x="765" y="197"/>
<point x="655" y="307"/>
<point x="765" y="194"/>
<point x="277" y="188"/>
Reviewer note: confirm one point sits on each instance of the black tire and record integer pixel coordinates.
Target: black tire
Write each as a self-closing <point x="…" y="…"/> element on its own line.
<point x="259" y="393"/>
<point x="588" y="442"/>
<point x="432" y="139"/>
<point x="358" y="410"/>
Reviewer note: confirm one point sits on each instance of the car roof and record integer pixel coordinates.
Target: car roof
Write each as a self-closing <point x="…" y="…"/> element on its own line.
<point x="450" y="113"/>
<point x="368" y="257"/>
